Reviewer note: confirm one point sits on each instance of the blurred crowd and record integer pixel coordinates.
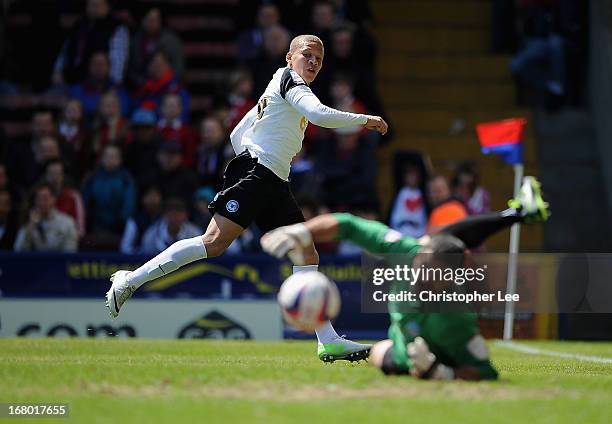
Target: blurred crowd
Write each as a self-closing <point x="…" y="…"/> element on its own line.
<point x="126" y="165"/>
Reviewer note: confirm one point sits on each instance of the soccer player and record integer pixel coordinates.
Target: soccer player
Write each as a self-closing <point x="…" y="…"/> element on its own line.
<point x="439" y="346"/>
<point x="255" y="182"/>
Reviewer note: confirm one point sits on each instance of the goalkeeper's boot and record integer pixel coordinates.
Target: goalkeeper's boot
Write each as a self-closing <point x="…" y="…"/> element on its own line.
<point x="119" y="292"/>
<point x="530" y="202"/>
<point x="342" y="349"/>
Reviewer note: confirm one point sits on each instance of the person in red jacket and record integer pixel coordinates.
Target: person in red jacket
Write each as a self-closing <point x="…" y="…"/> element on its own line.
<point x="67" y="200"/>
<point x="73" y="133"/>
<point x="240" y="97"/>
<point x="172" y="128"/>
<point x="162" y="80"/>
<point x="110" y="127"/>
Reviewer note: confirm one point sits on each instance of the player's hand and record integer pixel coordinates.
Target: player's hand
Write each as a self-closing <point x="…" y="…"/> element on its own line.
<point x="424" y="362"/>
<point x="376" y="123"/>
<point x="287" y="241"/>
<point x="421" y="357"/>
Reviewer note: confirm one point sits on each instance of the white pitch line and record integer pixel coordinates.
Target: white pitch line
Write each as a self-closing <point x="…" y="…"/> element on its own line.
<point x="535" y="351"/>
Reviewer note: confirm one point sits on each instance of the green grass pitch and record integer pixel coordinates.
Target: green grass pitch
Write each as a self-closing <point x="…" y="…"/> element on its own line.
<point x="141" y="381"/>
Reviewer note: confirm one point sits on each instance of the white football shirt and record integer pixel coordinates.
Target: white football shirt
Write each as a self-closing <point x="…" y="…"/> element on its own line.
<point x="273" y="130"/>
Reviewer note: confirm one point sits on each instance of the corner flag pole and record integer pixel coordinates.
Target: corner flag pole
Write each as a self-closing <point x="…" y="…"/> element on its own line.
<point x="505" y="138"/>
<point x="515" y="234"/>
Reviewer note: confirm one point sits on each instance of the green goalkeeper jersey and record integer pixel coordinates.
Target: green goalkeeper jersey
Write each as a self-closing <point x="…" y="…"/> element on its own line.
<point x="453" y="337"/>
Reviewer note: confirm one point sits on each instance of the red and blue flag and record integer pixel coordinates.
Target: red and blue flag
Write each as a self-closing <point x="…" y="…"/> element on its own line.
<point x="504" y="138"/>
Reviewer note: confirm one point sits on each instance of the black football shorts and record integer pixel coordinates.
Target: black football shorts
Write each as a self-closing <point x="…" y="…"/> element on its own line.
<point x="253" y="193"/>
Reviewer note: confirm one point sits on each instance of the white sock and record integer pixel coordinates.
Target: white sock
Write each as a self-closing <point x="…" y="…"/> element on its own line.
<point x="300" y="268"/>
<point x="325" y="333"/>
<point x="178" y="254"/>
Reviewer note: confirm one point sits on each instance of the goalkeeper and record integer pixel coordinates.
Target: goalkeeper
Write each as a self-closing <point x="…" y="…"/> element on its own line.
<point x="439" y="346"/>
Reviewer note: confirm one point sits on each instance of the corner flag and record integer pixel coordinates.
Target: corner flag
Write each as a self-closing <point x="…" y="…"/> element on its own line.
<point x="504" y="138"/>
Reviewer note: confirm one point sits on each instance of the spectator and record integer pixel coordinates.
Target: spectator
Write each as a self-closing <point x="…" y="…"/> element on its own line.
<point x="172" y="178"/>
<point x="172" y="128"/>
<point x="8" y="220"/>
<point x="149" y="212"/>
<point x="7" y="185"/>
<point x="302" y="176"/>
<point x="358" y="16"/>
<point x="250" y="42"/>
<point x="47" y="149"/>
<point x="91" y="90"/>
<point x="212" y="152"/>
<point x="174" y="226"/>
<point x="343" y="97"/>
<point x="98" y="30"/>
<point x="43" y="125"/>
<point x="67" y="200"/>
<point x="151" y="37"/>
<point x="446" y="210"/>
<point x="275" y="46"/>
<point x="343" y="58"/>
<point x="240" y="97"/>
<point x="347" y="169"/>
<point x="23" y="170"/>
<point x="408" y="213"/>
<point x="110" y="126"/>
<point x="44" y="150"/>
<point x="540" y="63"/>
<point x="47" y="229"/>
<point x="72" y="127"/>
<point x="73" y="133"/>
<point x="141" y="154"/>
<point x="110" y="199"/>
<point x="201" y="199"/>
<point x="466" y="187"/>
<point x="344" y="45"/>
<point x="322" y="20"/>
<point x="162" y="80"/>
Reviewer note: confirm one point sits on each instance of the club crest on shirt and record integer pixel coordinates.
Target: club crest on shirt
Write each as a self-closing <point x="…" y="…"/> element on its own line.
<point x="232" y="206"/>
<point x="261" y="105"/>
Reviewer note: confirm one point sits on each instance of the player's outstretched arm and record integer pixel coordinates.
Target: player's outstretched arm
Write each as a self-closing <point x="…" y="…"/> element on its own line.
<point x="309" y="105"/>
<point x="370" y="235"/>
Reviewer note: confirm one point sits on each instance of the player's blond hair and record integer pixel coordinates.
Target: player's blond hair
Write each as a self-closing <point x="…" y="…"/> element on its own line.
<point x="300" y="40"/>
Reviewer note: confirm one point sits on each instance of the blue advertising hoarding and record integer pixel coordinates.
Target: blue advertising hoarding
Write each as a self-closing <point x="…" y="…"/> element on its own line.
<point x="231" y="278"/>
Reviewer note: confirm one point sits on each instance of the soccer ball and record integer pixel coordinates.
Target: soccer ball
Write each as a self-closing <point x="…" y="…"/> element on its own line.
<point x="308" y="299"/>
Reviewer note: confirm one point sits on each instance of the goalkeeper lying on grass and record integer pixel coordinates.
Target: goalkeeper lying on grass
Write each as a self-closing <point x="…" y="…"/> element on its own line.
<point x="439" y="346"/>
